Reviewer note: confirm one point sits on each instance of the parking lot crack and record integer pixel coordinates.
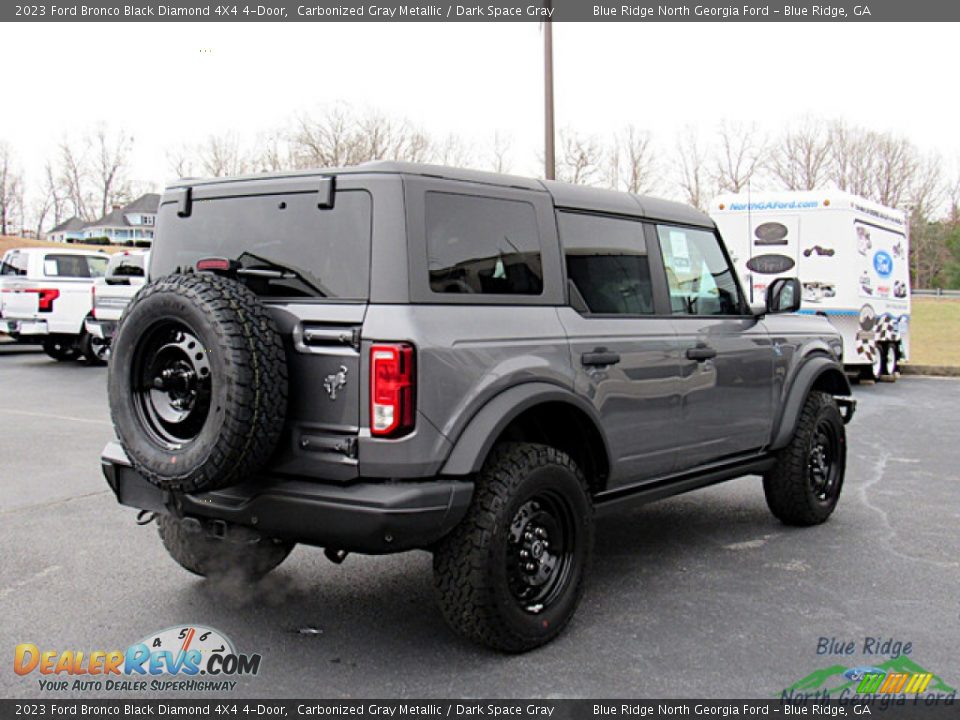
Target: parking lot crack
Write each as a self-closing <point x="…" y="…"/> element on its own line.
<point x="52" y="503"/>
<point x="882" y="459"/>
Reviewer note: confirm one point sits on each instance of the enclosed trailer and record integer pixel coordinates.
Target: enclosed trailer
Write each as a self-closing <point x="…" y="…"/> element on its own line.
<point x="851" y="256"/>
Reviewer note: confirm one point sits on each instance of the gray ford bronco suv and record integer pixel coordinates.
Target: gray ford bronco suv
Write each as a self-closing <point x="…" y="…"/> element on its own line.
<point x="398" y="356"/>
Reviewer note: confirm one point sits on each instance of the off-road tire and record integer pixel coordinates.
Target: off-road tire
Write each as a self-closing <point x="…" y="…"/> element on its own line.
<point x="247" y="397"/>
<point x="470" y="564"/>
<point x="788" y="487"/>
<point x="61" y="348"/>
<point x="209" y="556"/>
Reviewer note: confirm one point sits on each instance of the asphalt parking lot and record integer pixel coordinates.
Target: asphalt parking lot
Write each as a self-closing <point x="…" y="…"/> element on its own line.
<point x="705" y="595"/>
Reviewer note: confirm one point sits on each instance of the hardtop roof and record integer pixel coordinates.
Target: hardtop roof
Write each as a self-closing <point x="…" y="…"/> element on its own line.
<point x="565" y="195"/>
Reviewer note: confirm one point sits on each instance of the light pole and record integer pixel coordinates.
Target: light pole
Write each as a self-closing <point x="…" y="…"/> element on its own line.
<point x="549" y="154"/>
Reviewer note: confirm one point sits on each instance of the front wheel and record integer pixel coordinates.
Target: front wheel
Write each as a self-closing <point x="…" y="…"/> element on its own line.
<point x="511" y="575"/>
<point x="803" y="488"/>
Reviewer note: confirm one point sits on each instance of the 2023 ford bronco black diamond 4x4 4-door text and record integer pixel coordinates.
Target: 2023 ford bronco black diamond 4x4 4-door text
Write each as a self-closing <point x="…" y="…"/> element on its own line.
<point x="399" y="356"/>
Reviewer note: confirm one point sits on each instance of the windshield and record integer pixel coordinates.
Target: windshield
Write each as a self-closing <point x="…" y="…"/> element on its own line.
<point x="302" y="250"/>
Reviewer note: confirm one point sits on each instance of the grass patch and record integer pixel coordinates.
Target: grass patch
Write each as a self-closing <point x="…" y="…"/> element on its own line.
<point x="935" y="331"/>
<point x="9" y="242"/>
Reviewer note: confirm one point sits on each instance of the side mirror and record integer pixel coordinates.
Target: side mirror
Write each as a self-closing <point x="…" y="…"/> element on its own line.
<point x="783" y="296"/>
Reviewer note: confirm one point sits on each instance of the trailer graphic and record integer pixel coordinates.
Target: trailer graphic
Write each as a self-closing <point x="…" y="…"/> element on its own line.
<point x="850" y="254"/>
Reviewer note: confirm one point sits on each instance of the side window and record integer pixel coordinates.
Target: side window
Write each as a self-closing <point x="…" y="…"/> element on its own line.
<point x="607" y="262"/>
<point x="482" y="245"/>
<point x="700" y="279"/>
<point x="74" y="266"/>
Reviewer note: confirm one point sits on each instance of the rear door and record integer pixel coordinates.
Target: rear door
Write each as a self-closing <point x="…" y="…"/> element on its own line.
<point x="319" y="241"/>
<point x="625" y="358"/>
<point x="726" y="355"/>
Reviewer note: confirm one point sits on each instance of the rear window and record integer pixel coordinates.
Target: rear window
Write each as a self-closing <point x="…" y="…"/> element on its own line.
<point x="326" y="251"/>
<point x="127" y="266"/>
<point x="14" y="264"/>
<point x="482" y="245"/>
<point x="74" y="266"/>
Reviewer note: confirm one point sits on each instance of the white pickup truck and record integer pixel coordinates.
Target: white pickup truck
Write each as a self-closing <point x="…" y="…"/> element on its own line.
<point x="126" y="274"/>
<point x="45" y="296"/>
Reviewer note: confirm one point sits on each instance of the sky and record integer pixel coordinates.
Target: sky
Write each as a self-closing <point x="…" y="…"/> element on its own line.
<point x="171" y="84"/>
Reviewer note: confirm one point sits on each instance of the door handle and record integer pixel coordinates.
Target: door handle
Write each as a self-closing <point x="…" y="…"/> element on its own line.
<point x="599" y="357"/>
<point x="700" y="353"/>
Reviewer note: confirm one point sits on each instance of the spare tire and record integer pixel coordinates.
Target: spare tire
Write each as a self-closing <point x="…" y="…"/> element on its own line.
<point x="197" y="383"/>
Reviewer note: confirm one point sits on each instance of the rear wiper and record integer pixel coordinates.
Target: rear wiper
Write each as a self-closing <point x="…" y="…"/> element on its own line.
<point x="280" y="271"/>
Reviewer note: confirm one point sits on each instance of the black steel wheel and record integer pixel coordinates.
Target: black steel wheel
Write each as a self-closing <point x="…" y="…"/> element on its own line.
<point x="804" y="486"/>
<point x="822" y="468"/>
<point x="172" y="383"/>
<point x="540" y="555"/>
<point x="197" y="383"/>
<point x="511" y="574"/>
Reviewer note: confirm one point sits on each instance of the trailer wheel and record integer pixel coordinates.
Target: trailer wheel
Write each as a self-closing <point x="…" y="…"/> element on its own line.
<point x="874" y="370"/>
<point x="891" y="362"/>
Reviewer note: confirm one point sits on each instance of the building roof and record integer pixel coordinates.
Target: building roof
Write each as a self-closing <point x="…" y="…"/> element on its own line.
<point x="564" y="194"/>
<point x="72" y="224"/>
<point x="148" y="203"/>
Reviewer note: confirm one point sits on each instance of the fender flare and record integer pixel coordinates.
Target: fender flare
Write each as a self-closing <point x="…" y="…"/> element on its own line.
<point x="477" y="439"/>
<point x="809" y="373"/>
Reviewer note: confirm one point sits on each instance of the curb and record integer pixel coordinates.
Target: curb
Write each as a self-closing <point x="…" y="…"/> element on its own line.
<point x="936" y="370"/>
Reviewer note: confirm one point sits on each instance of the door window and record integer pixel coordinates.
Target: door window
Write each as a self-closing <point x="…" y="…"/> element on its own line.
<point x="607" y="263"/>
<point x="700" y="279"/>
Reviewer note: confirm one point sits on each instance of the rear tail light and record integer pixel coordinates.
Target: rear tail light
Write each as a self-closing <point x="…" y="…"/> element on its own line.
<point x="93" y="301"/>
<point x="47" y="296"/>
<point x="392" y="411"/>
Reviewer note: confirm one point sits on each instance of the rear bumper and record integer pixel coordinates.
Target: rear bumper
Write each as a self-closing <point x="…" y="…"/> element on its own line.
<point x="100" y="329"/>
<point x="24" y="327"/>
<point x="367" y="517"/>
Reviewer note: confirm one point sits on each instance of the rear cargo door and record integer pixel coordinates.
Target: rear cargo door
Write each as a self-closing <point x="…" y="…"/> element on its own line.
<point x="304" y="249"/>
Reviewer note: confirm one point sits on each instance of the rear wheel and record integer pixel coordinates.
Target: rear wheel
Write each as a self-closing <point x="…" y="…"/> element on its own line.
<point x="874" y="370"/>
<point x="804" y="486"/>
<point x="248" y="557"/>
<point x="891" y="362"/>
<point x="94" y="350"/>
<point x="511" y="575"/>
<point x="61" y="348"/>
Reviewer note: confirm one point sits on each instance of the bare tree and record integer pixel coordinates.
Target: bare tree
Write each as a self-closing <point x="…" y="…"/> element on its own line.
<point x="222" y="156"/>
<point x="455" y="152"/>
<point x="273" y="153"/>
<point x="180" y="161"/>
<point x="340" y="136"/>
<point x="633" y="163"/>
<point x="500" y="153"/>
<point x="111" y="157"/>
<point x="74" y="179"/>
<point x="741" y="150"/>
<point x="11" y="188"/>
<point x="800" y="159"/>
<point x="53" y="191"/>
<point x="581" y="159"/>
<point x="693" y="177"/>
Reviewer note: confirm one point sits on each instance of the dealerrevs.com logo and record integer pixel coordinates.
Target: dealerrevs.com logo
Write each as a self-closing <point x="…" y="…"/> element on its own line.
<point x="188" y="658"/>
